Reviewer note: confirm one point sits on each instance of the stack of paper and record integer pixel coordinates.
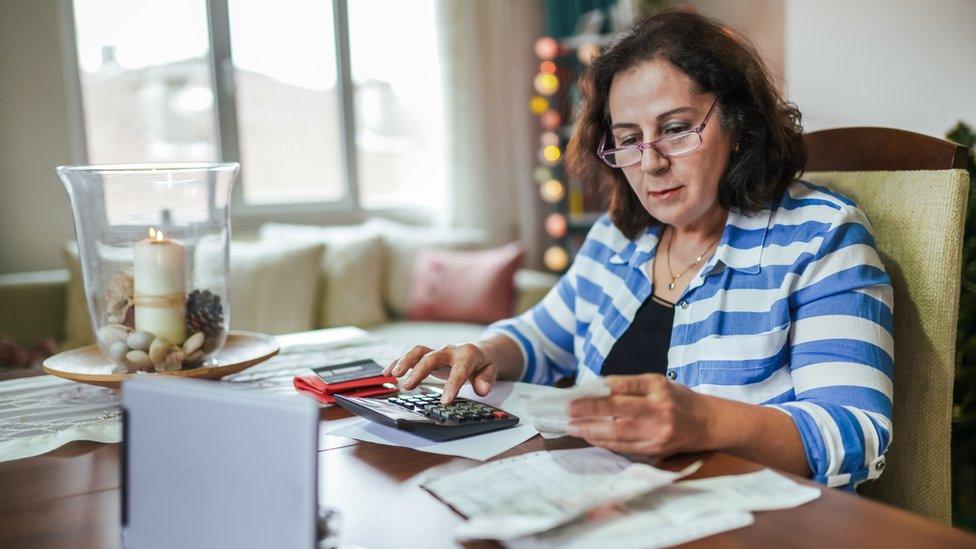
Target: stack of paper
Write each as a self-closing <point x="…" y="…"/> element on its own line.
<point x="593" y="498"/>
<point x="538" y="491"/>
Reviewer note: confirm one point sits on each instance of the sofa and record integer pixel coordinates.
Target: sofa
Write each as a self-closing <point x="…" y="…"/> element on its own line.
<point x="287" y="278"/>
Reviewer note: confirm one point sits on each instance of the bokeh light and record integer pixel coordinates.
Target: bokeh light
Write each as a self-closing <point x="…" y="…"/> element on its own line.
<point x="547" y="67"/>
<point x="542" y="174"/>
<point x="549" y="138"/>
<point x="538" y="105"/>
<point x="552" y="191"/>
<point x="555" y="258"/>
<point x="556" y="225"/>
<point x="551" y="119"/>
<point x="546" y="84"/>
<point x="551" y="153"/>
<point x="546" y="48"/>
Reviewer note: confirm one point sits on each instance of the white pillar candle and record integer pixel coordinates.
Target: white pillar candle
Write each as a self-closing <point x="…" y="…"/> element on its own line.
<point x="159" y="270"/>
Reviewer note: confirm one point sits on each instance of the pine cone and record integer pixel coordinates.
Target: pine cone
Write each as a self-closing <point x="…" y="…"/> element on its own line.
<point x="204" y="313"/>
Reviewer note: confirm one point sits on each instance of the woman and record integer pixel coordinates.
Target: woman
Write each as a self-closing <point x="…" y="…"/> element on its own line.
<point x="731" y="306"/>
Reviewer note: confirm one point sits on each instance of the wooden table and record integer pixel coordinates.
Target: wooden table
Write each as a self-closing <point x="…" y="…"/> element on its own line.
<point x="70" y="498"/>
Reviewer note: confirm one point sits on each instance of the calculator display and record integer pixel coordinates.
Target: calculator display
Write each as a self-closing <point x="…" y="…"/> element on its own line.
<point x="348" y="371"/>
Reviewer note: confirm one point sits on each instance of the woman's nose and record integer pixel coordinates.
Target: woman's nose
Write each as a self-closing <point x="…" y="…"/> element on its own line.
<point x="653" y="162"/>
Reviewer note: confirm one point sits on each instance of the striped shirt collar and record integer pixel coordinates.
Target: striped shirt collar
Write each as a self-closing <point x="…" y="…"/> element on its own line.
<point x="730" y="253"/>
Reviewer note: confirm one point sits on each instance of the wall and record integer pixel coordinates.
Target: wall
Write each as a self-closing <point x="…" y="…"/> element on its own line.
<point x="35" y="218"/>
<point x="761" y="21"/>
<point x="897" y="63"/>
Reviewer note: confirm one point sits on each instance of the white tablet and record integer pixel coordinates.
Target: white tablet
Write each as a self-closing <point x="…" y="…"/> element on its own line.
<point x="211" y="466"/>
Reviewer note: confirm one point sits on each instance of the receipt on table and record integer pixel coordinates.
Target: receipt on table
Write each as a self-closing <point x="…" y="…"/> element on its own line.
<point x="764" y="490"/>
<point x="536" y="492"/>
<point x="549" y="411"/>
<point x="681" y="512"/>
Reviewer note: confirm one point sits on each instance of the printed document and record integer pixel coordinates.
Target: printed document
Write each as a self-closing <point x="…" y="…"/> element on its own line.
<point x="538" y="491"/>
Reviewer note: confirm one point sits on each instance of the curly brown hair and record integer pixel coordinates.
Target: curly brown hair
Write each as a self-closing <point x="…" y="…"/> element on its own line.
<point x="771" y="147"/>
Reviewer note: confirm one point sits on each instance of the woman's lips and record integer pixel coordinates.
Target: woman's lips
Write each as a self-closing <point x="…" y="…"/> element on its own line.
<point x="666" y="194"/>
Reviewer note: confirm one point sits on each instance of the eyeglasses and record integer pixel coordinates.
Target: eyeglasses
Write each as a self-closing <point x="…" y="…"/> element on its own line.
<point x="670" y="146"/>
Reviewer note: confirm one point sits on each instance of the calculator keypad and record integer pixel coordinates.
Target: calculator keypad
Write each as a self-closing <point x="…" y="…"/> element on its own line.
<point x="461" y="410"/>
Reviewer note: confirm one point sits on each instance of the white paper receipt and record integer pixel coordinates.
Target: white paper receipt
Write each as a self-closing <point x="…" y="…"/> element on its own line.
<point x="538" y="491"/>
<point x="549" y="411"/>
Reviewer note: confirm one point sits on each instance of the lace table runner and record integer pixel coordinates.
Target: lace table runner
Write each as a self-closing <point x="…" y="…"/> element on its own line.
<point x="41" y="413"/>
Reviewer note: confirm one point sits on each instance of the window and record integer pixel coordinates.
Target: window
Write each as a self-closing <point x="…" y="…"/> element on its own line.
<point x="330" y="104"/>
<point x="146" y="84"/>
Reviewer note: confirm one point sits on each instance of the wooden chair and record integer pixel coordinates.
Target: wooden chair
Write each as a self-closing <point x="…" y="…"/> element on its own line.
<point x="914" y="189"/>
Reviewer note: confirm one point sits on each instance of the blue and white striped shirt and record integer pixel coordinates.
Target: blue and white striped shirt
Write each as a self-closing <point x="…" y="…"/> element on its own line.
<point x="792" y="311"/>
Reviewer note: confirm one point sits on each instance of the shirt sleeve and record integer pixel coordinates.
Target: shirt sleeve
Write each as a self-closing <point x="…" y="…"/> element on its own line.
<point x="841" y="354"/>
<point x="545" y="333"/>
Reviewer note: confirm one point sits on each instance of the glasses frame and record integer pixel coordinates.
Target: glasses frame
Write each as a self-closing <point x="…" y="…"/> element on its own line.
<point x="605" y="153"/>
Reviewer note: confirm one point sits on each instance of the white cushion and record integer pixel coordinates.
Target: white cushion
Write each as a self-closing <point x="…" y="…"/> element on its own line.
<point x="350" y="272"/>
<point x="402" y="244"/>
<point x="274" y="286"/>
<point x="435" y="335"/>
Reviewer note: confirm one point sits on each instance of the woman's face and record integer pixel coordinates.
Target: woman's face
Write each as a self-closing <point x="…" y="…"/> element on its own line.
<point x="653" y="100"/>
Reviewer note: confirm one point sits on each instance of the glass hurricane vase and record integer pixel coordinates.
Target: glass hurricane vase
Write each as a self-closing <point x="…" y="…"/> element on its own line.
<point x="153" y="243"/>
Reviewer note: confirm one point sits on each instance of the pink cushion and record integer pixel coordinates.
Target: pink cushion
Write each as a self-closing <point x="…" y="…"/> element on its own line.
<point x="461" y="286"/>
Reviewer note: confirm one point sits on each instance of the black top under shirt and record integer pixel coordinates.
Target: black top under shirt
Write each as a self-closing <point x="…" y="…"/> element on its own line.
<point x="643" y="349"/>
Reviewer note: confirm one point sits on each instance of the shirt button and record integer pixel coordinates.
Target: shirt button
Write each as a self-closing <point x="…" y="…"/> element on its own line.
<point x="672" y="374"/>
<point x="683" y="304"/>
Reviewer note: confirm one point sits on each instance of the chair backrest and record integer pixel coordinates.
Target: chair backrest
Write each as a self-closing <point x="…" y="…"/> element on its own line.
<point x="914" y="190"/>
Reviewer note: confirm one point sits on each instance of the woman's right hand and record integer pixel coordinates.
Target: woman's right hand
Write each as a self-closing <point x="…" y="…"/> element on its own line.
<point x="455" y="363"/>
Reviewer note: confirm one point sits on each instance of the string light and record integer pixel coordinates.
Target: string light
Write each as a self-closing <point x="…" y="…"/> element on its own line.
<point x="549" y="138"/>
<point x="551" y="153"/>
<point x="538" y="105"/>
<point x="542" y="174"/>
<point x="546" y="84"/>
<point x="546" y="48"/>
<point x="551" y="119"/>
<point x="555" y="258"/>
<point x="556" y="225"/>
<point x="552" y="191"/>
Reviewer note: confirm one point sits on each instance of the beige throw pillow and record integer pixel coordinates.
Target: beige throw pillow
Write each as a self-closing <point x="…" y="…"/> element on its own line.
<point x="351" y="271"/>
<point x="274" y="286"/>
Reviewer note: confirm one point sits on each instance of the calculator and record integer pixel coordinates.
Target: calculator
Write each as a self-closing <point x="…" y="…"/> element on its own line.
<point x="424" y="415"/>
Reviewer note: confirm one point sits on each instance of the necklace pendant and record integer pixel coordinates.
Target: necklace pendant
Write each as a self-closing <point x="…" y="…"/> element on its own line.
<point x="671" y="285"/>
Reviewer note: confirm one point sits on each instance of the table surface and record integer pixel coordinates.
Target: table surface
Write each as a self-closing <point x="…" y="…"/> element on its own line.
<point x="70" y="497"/>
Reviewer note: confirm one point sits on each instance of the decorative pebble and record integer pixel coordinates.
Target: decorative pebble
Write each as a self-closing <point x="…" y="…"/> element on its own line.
<point x="172" y="362"/>
<point x="137" y="358"/>
<point x="140" y="340"/>
<point x="193" y="343"/>
<point x="158" y="350"/>
<point x="117" y="351"/>
<point x="112" y="333"/>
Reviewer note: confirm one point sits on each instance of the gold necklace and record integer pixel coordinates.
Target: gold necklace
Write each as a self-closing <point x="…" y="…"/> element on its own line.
<point x="674" y="278"/>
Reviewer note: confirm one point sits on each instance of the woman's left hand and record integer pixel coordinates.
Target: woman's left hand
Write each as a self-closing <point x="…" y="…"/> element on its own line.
<point x="645" y="414"/>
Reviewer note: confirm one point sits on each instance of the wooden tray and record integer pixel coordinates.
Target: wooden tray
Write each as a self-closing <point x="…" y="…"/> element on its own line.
<point x="87" y="364"/>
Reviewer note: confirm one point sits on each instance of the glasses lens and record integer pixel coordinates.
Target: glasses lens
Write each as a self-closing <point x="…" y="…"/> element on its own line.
<point x="680" y="144"/>
<point x="623" y="158"/>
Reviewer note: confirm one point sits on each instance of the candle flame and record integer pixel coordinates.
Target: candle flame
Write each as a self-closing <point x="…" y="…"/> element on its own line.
<point x="155" y="235"/>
